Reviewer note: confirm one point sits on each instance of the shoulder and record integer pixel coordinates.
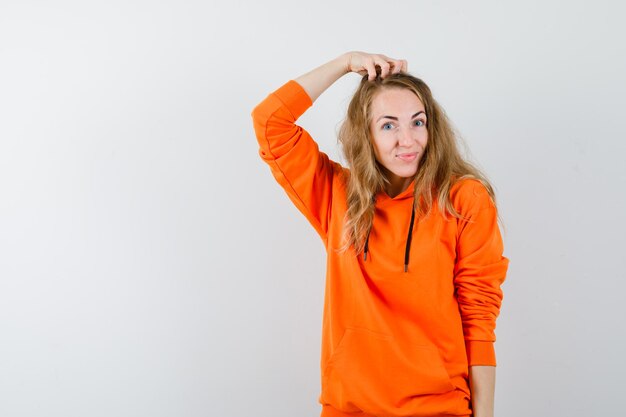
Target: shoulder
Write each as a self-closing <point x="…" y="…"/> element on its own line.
<point x="469" y="195"/>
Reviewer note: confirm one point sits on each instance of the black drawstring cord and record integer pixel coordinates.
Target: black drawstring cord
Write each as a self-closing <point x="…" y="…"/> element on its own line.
<point x="366" y="243"/>
<point x="408" y="241"/>
<point x="368" y="234"/>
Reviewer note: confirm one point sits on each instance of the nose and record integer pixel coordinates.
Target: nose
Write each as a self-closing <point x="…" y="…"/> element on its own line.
<point x="406" y="138"/>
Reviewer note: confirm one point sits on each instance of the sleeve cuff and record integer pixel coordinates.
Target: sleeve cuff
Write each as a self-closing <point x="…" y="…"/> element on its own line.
<point x="294" y="97"/>
<point x="480" y="353"/>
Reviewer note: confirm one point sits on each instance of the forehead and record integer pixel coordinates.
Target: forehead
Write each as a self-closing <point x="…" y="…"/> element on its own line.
<point x="396" y="101"/>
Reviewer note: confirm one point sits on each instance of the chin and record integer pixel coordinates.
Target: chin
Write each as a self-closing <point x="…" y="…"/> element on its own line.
<point x="406" y="173"/>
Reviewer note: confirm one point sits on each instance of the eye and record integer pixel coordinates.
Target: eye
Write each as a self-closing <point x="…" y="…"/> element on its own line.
<point x="385" y="125"/>
<point x="420" y="121"/>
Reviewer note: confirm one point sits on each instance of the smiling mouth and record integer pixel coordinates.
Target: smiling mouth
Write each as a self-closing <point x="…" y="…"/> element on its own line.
<point x="407" y="156"/>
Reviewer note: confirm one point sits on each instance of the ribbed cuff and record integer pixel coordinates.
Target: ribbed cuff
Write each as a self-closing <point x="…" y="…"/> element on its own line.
<point x="294" y="97"/>
<point x="480" y="353"/>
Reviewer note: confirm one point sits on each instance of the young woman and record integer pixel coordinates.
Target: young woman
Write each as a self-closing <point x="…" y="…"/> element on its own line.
<point x="415" y="260"/>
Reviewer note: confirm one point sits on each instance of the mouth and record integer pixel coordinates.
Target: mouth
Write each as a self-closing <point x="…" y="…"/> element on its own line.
<point x="408" y="157"/>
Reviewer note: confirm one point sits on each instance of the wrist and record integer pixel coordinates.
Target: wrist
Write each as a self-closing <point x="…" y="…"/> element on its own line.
<point x="343" y="61"/>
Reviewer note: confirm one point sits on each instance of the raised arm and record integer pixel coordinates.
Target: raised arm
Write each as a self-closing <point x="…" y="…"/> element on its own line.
<point x="316" y="81"/>
<point x="302" y="170"/>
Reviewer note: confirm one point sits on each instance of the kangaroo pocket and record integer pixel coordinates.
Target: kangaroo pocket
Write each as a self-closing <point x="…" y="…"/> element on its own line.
<point x="379" y="374"/>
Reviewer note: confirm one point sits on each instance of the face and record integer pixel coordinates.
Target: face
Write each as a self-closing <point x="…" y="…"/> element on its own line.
<point x="399" y="134"/>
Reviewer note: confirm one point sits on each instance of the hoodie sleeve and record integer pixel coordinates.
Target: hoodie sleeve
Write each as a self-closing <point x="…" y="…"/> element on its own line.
<point x="479" y="271"/>
<point x="301" y="169"/>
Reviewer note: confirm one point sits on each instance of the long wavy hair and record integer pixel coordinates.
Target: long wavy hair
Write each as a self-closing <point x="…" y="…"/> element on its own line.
<point x="440" y="167"/>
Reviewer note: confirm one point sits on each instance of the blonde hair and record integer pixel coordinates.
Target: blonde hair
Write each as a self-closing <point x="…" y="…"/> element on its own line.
<point x="440" y="167"/>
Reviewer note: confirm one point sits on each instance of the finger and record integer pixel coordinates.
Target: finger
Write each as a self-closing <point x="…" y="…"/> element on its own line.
<point x="394" y="65"/>
<point x="371" y="69"/>
<point x="384" y="69"/>
<point x="397" y="66"/>
<point x="405" y="65"/>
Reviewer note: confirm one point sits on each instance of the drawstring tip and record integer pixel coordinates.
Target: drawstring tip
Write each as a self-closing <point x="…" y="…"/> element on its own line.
<point x="406" y="267"/>
<point x="365" y="256"/>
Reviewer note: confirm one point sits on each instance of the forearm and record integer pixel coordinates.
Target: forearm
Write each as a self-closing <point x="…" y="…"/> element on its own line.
<point x="316" y="81"/>
<point x="482" y="387"/>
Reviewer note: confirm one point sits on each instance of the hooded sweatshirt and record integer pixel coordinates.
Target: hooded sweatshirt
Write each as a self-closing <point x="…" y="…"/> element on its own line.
<point x="404" y="319"/>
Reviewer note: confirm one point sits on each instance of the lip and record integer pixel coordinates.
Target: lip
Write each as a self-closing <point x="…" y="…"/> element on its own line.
<point x="408" y="157"/>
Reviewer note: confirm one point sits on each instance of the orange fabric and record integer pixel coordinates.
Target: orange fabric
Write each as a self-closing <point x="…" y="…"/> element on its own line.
<point x="393" y="343"/>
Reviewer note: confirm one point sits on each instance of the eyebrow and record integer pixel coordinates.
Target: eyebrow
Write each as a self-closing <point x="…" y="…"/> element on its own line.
<point x="395" y="118"/>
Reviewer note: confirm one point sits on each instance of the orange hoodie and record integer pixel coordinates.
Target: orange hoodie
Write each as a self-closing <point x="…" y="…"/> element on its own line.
<point x="394" y="342"/>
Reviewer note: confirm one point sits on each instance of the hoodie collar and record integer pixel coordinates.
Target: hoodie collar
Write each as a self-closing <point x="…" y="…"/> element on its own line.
<point x="383" y="198"/>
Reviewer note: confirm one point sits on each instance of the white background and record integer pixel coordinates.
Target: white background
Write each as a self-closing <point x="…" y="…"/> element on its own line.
<point x="150" y="265"/>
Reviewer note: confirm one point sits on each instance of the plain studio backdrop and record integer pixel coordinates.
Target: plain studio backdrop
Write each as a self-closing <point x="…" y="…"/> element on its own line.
<point x="150" y="265"/>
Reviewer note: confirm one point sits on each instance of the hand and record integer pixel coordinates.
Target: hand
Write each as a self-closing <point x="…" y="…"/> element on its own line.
<point x="364" y="63"/>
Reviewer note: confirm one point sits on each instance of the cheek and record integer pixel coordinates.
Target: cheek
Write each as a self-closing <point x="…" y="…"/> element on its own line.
<point x="384" y="151"/>
<point x="384" y="144"/>
<point x="379" y="146"/>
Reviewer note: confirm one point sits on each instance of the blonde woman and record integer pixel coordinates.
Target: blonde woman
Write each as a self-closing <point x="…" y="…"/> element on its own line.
<point x="415" y="255"/>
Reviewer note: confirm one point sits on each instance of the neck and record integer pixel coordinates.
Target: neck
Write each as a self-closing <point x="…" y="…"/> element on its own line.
<point x="398" y="186"/>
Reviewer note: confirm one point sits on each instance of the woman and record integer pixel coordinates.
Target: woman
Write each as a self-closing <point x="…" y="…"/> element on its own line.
<point x="414" y="250"/>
